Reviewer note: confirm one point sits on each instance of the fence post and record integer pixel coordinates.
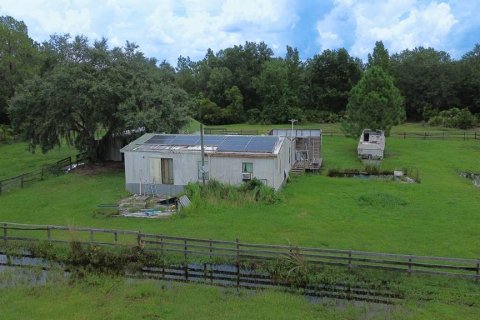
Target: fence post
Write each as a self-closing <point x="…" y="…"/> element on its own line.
<point x="478" y="271"/>
<point x="186" y="260"/>
<point x="91" y="235"/>
<point x="210" y="255"/>
<point x="139" y="239"/>
<point x="205" y="272"/>
<point x="161" y="245"/>
<point x="115" y="236"/>
<point x="238" y="263"/>
<point x="49" y="234"/>
<point x="404" y="135"/>
<point x="410" y="270"/>
<point x="70" y="163"/>
<point x="349" y="260"/>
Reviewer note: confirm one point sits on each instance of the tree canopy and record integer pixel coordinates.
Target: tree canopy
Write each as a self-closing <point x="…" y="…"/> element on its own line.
<point x="93" y="93"/>
<point x="374" y="103"/>
<point x="18" y="60"/>
<point x="85" y="92"/>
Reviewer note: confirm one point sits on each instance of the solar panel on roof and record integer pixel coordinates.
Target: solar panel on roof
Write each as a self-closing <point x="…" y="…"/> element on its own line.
<point x="186" y="140"/>
<point x="248" y="144"/>
<point x="264" y="144"/>
<point x="213" y="140"/>
<point x="160" y="139"/>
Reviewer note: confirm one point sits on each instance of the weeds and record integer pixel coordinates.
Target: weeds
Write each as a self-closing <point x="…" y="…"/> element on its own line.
<point x="216" y="193"/>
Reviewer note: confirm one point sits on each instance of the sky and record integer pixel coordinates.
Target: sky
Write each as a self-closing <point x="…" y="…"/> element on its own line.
<point x="166" y="29"/>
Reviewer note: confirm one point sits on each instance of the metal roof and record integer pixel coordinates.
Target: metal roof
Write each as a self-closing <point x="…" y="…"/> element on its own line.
<point x="218" y="143"/>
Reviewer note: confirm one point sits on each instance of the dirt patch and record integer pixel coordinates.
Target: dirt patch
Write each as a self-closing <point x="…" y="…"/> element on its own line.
<point x="94" y="169"/>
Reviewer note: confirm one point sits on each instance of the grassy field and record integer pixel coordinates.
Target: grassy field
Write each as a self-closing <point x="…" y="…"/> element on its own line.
<point x="112" y="298"/>
<point x="17" y="159"/>
<point x="439" y="216"/>
<point x="336" y="127"/>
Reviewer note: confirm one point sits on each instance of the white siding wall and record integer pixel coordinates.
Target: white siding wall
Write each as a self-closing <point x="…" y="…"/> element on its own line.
<point x="140" y="168"/>
<point x="229" y="170"/>
<point x="284" y="163"/>
<point x="144" y="167"/>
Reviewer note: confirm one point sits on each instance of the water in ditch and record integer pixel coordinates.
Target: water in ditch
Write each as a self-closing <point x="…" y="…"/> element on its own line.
<point x="30" y="271"/>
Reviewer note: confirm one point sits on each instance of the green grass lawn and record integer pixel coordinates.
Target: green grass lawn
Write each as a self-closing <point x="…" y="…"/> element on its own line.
<point x="439" y="216"/>
<point x="16" y="159"/>
<point x="113" y="298"/>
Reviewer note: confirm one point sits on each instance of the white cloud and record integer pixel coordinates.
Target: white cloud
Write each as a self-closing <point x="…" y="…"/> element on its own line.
<point x="400" y="24"/>
<point x="218" y="25"/>
<point x="164" y="29"/>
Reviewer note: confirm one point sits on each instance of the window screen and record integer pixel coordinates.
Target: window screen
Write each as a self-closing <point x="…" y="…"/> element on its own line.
<point x="247" y="167"/>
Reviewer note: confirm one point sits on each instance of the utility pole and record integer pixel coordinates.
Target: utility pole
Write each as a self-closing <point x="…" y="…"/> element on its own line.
<point x="293" y="121"/>
<point x="202" y="169"/>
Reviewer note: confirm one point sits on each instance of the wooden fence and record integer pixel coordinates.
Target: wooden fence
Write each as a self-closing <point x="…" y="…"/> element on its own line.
<point x="192" y="249"/>
<point x="46" y="171"/>
<point x="424" y="135"/>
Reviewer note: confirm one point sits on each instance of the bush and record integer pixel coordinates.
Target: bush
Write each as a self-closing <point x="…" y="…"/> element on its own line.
<point x="320" y="116"/>
<point x="253" y="191"/>
<point x="454" y="118"/>
<point x="6" y="133"/>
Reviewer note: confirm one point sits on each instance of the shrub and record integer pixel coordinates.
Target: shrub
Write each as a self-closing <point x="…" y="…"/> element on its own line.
<point x="320" y="116"/>
<point x="454" y="118"/>
<point x="251" y="191"/>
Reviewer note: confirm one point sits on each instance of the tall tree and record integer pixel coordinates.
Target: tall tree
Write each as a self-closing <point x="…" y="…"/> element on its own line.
<point x="379" y="57"/>
<point x="469" y="73"/>
<point x="374" y="103"/>
<point x="295" y="70"/>
<point x="185" y="74"/>
<point x="426" y="78"/>
<point x="94" y="91"/>
<point x="278" y="102"/>
<point x="245" y="62"/>
<point x="330" y="77"/>
<point x="18" y="60"/>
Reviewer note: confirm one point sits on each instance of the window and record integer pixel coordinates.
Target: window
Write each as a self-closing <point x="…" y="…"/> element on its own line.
<point x="167" y="170"/>
<point x="247" y="167"/>
<point x="205" y="170"/>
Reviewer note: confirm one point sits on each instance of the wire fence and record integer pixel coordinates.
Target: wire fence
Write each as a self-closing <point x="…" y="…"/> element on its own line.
<point x="424" y="135"/>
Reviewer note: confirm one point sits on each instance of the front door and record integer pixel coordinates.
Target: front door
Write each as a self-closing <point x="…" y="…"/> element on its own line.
<point x="167" y="171"/>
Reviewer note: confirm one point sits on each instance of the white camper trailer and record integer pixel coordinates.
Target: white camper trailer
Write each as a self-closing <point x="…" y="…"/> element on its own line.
<point x="371" y="144"/>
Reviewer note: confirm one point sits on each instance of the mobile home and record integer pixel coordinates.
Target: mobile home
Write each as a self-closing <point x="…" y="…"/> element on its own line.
<point x="165" y="163"/>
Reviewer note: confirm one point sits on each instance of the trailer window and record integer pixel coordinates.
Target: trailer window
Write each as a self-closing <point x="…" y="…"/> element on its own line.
<point x="247" y="167"/>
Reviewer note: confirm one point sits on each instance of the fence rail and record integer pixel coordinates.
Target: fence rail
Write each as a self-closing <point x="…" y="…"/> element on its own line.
<point x="236" y="251"/>
<point x="424" y="135"/>
<point x="233" y="276"/>
<point x="44" y="172"/>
